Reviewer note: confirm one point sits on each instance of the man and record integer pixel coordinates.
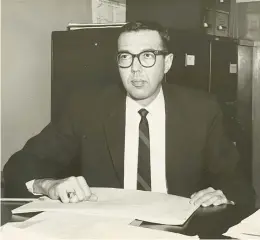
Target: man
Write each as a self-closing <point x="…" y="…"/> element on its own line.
<point x="144" y="135"/>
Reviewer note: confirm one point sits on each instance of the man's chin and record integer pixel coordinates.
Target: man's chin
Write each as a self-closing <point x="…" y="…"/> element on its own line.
<point x="138" y="97"/>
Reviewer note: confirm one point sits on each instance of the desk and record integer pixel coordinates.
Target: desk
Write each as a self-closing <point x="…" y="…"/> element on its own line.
<point x="210" y="222"/>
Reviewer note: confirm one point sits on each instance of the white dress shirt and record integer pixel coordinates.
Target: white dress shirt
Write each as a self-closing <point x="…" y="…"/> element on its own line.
<point x="156" y="121"/>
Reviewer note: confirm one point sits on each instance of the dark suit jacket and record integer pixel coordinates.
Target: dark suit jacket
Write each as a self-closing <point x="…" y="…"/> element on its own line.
<point x="198" y="153"/>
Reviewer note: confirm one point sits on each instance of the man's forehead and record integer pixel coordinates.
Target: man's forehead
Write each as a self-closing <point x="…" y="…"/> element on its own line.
<point x="139" y="40"/>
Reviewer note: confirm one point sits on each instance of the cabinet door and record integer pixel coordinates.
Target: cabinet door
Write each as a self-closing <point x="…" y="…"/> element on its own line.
<point x="224" y="70"/>
<point x="80" y="59"/>
<point x="244" y="101"/>
<point x="223" y="83"/>
<point x="191" y="60"/>
<point x="231" y="81"/>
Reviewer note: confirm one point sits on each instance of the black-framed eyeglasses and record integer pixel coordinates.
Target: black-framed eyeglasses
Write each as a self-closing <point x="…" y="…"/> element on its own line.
<point x="146" y="58"/>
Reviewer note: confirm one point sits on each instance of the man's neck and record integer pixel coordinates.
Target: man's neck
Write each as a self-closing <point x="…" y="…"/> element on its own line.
<point x="147" y="101"/>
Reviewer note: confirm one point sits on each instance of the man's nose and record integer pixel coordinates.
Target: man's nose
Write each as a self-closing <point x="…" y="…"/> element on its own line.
<point x="136" y="66"/>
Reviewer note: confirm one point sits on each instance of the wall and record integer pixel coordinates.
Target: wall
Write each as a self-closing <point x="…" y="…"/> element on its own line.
<point x="248" y="20"/>
<point x="26" y="64"/>
<point x="256" y="121"/>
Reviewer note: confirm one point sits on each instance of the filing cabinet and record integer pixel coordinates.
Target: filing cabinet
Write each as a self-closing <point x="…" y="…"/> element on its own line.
<point x="216" y="17"/>
<point x="223" y="5"/>
<point x="209" y="16"/>
<point x="216" y="23"/>
<point x="218" y="5"/>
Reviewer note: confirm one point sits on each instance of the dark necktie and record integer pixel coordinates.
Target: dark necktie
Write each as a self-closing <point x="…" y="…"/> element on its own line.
<point x="144" y="168"/>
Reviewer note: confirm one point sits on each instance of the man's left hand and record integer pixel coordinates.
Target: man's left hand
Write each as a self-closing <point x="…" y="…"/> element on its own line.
<point x="208" y="197"/>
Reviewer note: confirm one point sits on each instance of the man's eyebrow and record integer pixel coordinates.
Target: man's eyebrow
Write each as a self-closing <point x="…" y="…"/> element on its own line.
<point x="123" y="51"/>
<point x="144" y="50"/>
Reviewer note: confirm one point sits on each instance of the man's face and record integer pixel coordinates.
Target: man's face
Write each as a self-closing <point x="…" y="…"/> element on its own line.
<point x="140" y="82"/>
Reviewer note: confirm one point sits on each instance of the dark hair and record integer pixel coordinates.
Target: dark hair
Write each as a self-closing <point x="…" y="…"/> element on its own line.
<point x="148" y="25"/>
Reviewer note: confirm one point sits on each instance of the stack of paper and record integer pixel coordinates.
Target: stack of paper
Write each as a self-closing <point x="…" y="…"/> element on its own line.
<point x="60" y="225"/>
<point x="249" y="228"/>
<point x="107" y="218"/>
<point x="146" y="206"/>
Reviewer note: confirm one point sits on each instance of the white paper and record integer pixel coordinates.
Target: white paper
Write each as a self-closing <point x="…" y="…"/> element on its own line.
<point x="106" y="11"/>
<point x="146" y="206"/>
<point x="61" y="225"/>
<point x="189" y="60"/>
<point x="253" y="219"/>
<point x="232" y="68"/>
<point x="11" y="231"/>
<point x="248" y="228"/>
<point x="18" y="199"/>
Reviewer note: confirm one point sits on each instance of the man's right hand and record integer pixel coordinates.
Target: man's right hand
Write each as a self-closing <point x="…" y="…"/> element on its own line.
<point x="68" y="190"/>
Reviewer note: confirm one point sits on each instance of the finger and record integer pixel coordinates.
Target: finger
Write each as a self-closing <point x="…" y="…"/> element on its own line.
<point x="84" y="186"/>
<point x="74" y="198"/>
<point x="58" y="192"/>
<point x="199" y="194"/>
<point x="53" y="194"/>
<point x="62" y="193"/>
<point x="211" y="198"/>
<point x="222" y="198"/>
<point x="93" y="198"/>
<point x="206" y="197"/>
<point x="52" y="191"/>
<point x="221" y="201"/>
<point x="77" y="189"/>
<point x="211" y="201"/>
<point x="202" y="192"/>
<point x="193" y="195"/>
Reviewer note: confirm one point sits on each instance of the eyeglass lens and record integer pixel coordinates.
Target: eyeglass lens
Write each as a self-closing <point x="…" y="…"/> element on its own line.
<point x="146" y="59"/>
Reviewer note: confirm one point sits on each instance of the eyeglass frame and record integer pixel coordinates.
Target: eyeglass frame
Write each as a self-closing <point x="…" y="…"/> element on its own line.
<point x="155" y="52"/>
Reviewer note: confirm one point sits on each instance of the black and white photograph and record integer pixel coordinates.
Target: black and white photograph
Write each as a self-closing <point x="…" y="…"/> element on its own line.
<point x="130" y="119"/>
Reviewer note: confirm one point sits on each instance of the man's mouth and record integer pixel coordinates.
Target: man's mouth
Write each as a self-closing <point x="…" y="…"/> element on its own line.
<point x="138" y="83"/>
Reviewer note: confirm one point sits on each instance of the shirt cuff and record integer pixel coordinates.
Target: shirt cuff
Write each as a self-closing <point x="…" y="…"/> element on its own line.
<point x="29" y="186"/>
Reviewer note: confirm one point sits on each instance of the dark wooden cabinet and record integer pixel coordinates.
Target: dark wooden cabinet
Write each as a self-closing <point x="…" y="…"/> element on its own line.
<point x="194" y="44"/>
<point x="81" y="59"/>
<point x="209" y="16"/>
<point x="176" y="14"/>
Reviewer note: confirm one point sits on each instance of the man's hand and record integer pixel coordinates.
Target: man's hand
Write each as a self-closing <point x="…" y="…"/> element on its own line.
<point x="68" y="190"/>
<point x="208" y="197"/>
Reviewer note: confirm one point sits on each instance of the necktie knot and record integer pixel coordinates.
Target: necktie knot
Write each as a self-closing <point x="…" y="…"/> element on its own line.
<point x="143" y="112"/>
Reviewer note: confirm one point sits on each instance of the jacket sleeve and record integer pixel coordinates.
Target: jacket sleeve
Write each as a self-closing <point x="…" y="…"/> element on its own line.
<point x="45" y="155"/>
<point x="224" y="168"/>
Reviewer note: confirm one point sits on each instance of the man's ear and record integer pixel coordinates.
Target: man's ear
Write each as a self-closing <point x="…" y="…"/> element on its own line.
<point x="168" y="62"/>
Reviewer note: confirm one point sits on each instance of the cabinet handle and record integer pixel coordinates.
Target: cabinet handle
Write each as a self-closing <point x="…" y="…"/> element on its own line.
<point x="206" y="25"/>
<point x="221" y="28"/>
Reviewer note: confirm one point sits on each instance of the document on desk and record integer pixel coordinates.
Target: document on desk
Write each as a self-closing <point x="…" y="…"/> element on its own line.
<point x="64" y="225"/>
<point x="249" y="228"/>
<point x="146" y="206"/>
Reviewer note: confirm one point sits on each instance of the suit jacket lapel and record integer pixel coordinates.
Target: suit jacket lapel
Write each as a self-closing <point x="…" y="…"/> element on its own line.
<point x="114" y="122"/>
<point x="174" y="137"/>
